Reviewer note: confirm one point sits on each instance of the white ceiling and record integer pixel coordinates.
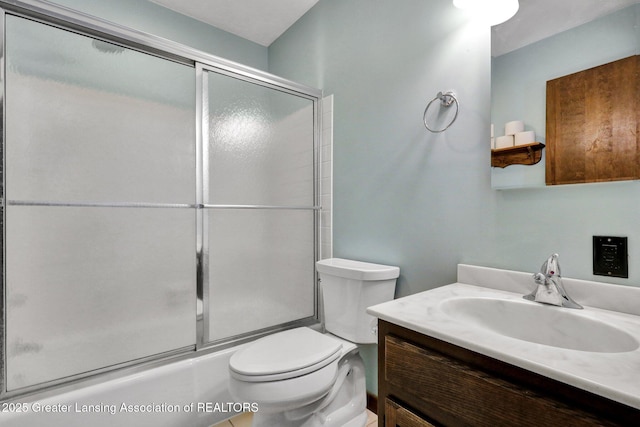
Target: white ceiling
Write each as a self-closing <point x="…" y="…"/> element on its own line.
<point x="538" y="19"/>
<point x="261" y="21"/>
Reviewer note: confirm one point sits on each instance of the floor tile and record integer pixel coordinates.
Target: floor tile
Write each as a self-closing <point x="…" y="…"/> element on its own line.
<point x="242" y="420"/>
<point x="372" y="419"/>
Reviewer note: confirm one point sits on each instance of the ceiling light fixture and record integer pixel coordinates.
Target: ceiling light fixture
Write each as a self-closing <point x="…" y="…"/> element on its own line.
<point x="492" y="11"/>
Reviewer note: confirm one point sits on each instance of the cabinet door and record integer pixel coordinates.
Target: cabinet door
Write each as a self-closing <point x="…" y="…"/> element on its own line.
<point x="398" y="416"/>
<point x="592" y="118"/>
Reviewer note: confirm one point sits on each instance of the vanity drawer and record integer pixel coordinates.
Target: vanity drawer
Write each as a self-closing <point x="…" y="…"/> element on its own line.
<point x="454" y="393"/>
<point x="399" y="416"/>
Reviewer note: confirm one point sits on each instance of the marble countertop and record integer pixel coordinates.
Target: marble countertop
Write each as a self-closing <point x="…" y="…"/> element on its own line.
<point x="612" y="375"/>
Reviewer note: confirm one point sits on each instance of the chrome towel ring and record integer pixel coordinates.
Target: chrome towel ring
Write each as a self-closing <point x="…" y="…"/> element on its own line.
<point x="446" y="100"/>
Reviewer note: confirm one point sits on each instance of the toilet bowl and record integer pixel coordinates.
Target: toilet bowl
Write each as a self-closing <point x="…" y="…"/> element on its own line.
<point x="303" y="378"/>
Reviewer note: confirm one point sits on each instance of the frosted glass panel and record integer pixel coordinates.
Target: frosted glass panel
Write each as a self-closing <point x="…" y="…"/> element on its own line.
<point x="260" y="144"/>
<point x="94" y="287"/>
<point x="261" y="269"/>
<point x="91" y="121"/>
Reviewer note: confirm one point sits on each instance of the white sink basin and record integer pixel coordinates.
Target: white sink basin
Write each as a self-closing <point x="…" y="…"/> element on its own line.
<point x="541" y="324"/>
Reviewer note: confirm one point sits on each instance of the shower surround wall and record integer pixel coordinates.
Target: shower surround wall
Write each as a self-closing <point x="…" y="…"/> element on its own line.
<point x="104" y="209"/>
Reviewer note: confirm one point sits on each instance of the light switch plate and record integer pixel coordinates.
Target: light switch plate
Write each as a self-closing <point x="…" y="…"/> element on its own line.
<point x="610" y="256"/>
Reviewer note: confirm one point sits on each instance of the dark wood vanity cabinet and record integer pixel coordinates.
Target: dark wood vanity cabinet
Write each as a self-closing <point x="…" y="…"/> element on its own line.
<point x="423" y="381"/>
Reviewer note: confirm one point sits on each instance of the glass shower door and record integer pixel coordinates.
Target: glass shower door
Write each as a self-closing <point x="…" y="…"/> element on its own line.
<point x="136" y="228"/>
<point x="100" y="178"/>
<point x="260" y="214"/>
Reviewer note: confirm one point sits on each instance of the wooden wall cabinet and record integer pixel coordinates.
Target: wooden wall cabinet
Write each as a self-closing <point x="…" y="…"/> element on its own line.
<point x="592" y="125"/>
<point x="427" y="382"/>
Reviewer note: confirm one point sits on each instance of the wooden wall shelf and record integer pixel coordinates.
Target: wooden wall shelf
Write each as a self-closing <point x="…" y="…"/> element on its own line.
<point x="526" y="154"/>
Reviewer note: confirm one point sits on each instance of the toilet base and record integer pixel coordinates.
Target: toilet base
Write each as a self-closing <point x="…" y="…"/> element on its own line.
<point x="345" y="406"/>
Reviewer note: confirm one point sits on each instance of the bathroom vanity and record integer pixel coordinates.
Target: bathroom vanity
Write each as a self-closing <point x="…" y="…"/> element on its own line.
<point x="424" y="381"/>
<point x="471" y="354"/>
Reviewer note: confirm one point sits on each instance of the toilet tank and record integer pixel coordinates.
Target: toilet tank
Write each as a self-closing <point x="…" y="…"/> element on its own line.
<point x="348" y="288"/>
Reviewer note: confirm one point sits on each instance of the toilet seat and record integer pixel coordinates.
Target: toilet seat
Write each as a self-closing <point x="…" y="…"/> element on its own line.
<point x="284" y="355"/>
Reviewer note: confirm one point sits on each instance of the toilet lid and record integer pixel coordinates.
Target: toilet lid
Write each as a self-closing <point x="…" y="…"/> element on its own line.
<point x="285" y="354"/>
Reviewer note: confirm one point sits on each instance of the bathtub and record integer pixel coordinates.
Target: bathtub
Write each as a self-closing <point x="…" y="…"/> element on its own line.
<point x="186" y="393"/>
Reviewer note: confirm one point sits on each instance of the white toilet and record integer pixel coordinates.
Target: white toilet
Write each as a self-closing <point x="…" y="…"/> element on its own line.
<point x="303" y="378"/>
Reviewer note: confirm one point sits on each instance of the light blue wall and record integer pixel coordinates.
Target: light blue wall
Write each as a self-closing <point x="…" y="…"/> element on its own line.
<point x="424" y="201"/>
<point x="149" y="17"/>
<point x="562" y="218"/>
<point x="519" y="79"/>
<point x="402" y="195"/>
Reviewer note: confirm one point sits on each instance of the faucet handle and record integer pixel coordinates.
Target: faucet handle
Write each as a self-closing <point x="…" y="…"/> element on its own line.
<point x="551" y="266"/>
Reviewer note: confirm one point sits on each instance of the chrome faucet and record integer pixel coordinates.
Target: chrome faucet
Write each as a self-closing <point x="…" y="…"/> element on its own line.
<point x="550" y="289"/>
